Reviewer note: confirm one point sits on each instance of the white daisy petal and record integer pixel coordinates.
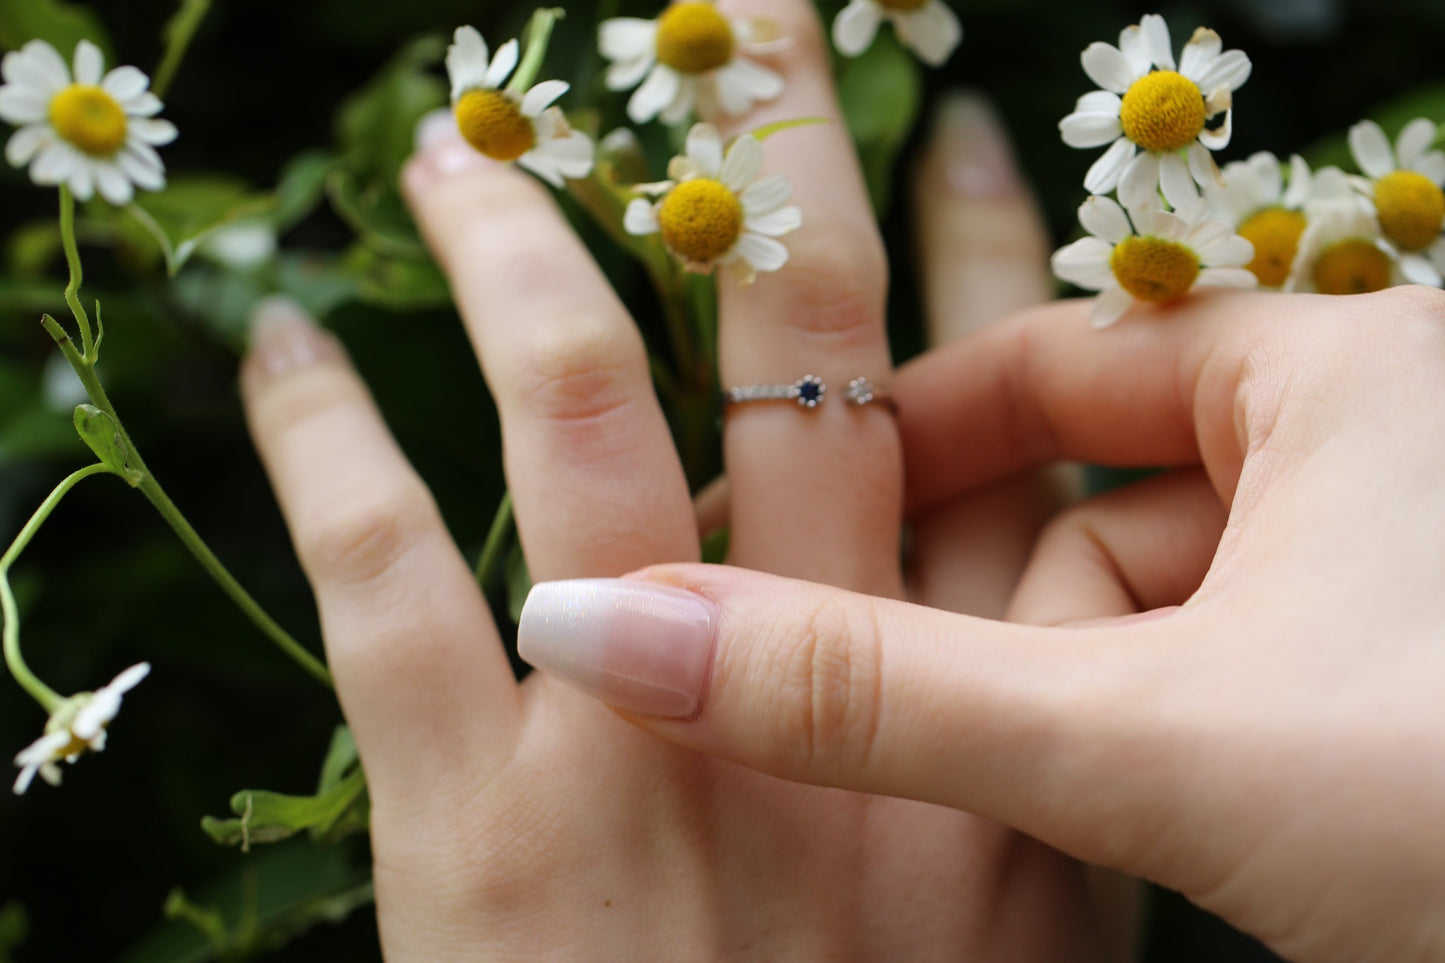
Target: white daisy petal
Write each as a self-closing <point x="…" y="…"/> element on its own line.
<point x="1168" y="225"/>
<point x="26" y="142"/>
<point x="572" y="156"/>
<point x="1415" y="138"/>
<point x="502" y="65"/>
<point x="743" y="163"/>
<point x="1200" y="53"/>
<point x="742" y="83"/>
<point x="22" y="105"/>
<point x="659" y="90"/>
<point x="1156" y="40"/>
<point x="1432" y="165"/>
<point x="1104" y="218"/>
<point x="1085" y="263"/>
<point x="1176" y="181"/>
<point x="1109" y="307"/>
<point x="113" y="185"/>
<point x="126" y="82"/>
<point x="1104" y="173"/>
<point x="1418" y="270"/>
<point x="541" y="96"/>
<point x="1107" y="67"/>
<point x="1135" y="50"/>
<point x="1226" y="277"/>
<point x="467" y="59"/>
<point x="1203" y="169"/>
<point x="129" y="678"/>
<point x="640" y="217"/>
<point x="704" y="148"/>
<point x="54" y="163"/>
<point x="89" y="64"/>
<point x="152" y="131"/>
<point x="36" y="65"/>
<point x="1436" y="253"/>
<point x="932" y="31"/>
<point x="143" y="105"/>
<point x="540" y="164"/>
<point x="1229" y="72"/>
<point x="627" y="38"/>
<point x="1228" y="251"/>
<point x="1371" y="149"/>
<point x="1139" y="182"/>
<point x="691" y="93"/>
<point x="762" y="253"/>
<point x="1267" y="175"/>
<point x="775" y="223"/>
<point x="626" y="74"/>
<point x="766" y="194"/>
<point x="1099" y="102"/>
<point x="140" y="170"/>
<point x="855" y="27"/>
<point x="1218" y="138"/>
<point x="1090" y="130"/>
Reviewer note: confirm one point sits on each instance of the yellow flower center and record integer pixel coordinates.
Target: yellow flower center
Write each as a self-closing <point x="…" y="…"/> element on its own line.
<point x="89" y="118"/>
<point x="1351" y="267"/>
<point x="1411" y="209"/>
<point x="693" y="37"/>
<point x="1162" y="111"/>
<point x="700" y="219"/>
<point x="1275" y="234"/>
<point x="901" y="4"/>
<point x="1153" y="269"/>
<point x="493" y="123"/>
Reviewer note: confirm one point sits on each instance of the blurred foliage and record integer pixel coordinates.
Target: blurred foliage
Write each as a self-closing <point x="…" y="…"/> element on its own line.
<point x="295" y="120"/>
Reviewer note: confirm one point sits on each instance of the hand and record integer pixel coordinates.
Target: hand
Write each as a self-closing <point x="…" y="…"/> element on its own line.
<point x="1257" y="725"/>
<point x="528" y="821"/>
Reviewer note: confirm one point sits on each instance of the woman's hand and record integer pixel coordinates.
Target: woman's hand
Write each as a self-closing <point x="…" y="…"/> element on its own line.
<point x="1258" y="725"/>
<point x="528" y="821"/>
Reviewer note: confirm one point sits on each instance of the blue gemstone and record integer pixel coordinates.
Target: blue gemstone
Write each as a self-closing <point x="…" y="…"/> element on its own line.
<point x="810" y="391"/>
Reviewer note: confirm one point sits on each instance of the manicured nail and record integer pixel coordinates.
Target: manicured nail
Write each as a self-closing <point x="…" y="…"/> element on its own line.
<point x="441" y="146"/>
<point x="638" y="646"/>
<point x="977" y="159"/>
<point x="284" y="338"/>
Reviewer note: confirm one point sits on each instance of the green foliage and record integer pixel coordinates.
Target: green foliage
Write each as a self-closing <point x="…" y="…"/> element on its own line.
<point x="14" y="928"/>
<point x="191" y="208"/>
<point x="881" y="92"/>
<point x="61" y="24"/>
<point x="99" y="431"/>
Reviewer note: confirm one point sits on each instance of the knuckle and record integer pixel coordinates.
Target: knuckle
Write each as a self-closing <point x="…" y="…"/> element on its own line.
<point x="833" y="680"/>
<point x="837" y="279"/>
<point x="1413" y="301"/>
<point x="582" y="371"/>
<point x="359" y="542"/>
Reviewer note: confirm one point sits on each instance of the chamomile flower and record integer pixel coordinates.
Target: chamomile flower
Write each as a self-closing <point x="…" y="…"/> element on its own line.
<point x="91" y="131"/>
<point x="1160" y="257"/>
<point x="689" y="59"/>
<point x="927" y="27"/>
<point x="1342" y="251"/>
<point x="506" y="126"/>
<point x="1403" y="185"/>
<point x="1255" y="202"/>
<point x="1154" y="120"/>
<point x="716" y="209"/>
<point x="77" y="725"/>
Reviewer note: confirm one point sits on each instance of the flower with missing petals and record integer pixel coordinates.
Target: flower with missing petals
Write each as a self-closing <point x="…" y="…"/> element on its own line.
<point x="927" y="27"/>
<point x="77" y="725"/>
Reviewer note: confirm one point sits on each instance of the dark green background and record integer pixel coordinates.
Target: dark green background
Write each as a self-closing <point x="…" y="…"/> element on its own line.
<point x="106" y="585"/>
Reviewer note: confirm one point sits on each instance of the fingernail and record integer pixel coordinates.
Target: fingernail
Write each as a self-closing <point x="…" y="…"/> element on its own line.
<point x="635" y="645"/>
<point x="284" y="338"/>
<point x="977" y="158"/>
<point x="440" y="145"/>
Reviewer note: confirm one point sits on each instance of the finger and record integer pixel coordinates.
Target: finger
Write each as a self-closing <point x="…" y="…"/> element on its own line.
<point x="830" y="478"/>
<point x="595" y="478"/>
<point x="984" y="250"/>
<point x="419" y="669"/>
<point x="1040" y="728"/>
<point x="1130" y="550"/>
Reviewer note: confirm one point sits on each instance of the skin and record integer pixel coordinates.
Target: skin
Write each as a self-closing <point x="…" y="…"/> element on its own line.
<point x="527" y="821"/>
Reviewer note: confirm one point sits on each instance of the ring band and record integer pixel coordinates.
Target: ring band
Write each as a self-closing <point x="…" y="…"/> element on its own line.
<point x="809" y="392"/>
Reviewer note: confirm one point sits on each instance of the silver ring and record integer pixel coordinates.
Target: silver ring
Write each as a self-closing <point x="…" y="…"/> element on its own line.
<point x="809" y="392"/>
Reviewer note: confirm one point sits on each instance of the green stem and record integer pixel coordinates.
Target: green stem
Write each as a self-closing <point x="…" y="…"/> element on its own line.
<point x="539" y="34"/>
<point x="48" y="698"/>
<point x="672" y="294"/>
<point x="72" y="260"/>
<point x="496" y="541"/>
<point x="179" y="32"/>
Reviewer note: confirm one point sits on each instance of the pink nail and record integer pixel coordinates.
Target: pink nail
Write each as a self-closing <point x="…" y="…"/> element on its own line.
<point x="977" y="159"/>
<point x="284" y="338"/>
<point x="441" y="146"/>
<point x="635" y="645"/>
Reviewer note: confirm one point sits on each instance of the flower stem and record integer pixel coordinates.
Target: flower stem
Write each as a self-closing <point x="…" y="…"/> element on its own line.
<point x="496" y="541"/>
<point x="42" y="693"/>
<point x="539" y="34"/>
<point x="72" y="260"/>
<point x="179" y="32"/>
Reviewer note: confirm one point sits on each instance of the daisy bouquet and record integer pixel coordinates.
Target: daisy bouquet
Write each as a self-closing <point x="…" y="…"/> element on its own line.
<point x="619" y="110"/>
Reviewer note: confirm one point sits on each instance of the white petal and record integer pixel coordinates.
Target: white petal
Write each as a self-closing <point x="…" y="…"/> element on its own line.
<point x="1177" y="182"/>
<point x="690" y="93"/>
<point x="22" y="105"/>
<point x="571" y="156"/>
<point x="626" y="74"/>
<point x="467" y="59"/>
<point x="1085" y="263"/>
<point x="113" y="185"/>
<point x="766" y="194"/>
<point x="26" y="777"/>
<point x="1218" y="138"/>
<point x="43" y="749"/>
<point x="1104" y="173"/>
<point x="1103" y="217"/>
<point x="1166" y="224"/>
<point x="743" y="82"/>
<point x="1299" y="183"/>
<point x="1139" y="183"/>
<point x="1415" y="138"/>
<point x="502" y="65"/>
<point x="704" y="149"/>
<point x="26" y="142"/>
<point x="760" y="35"/>
<point x="1371" y="149"/>
<point x="1109" y="307"/>
<point x="743" y="163"/>
<point x="541" y="96"/>
<point x="855" y="26"/>
<point x="125" y="82"/>
<point x="1418" y="270"/>
<point x="142" y="105"/>
<point x="1264" y="166"/>
<point x="1156" y="40"/>
<point x="539" y="164"/>
<point x="1107" y="67"/>
<point x="640" y="217"/>
<point x="152" y="131"/>
<point x="776" y="223"/>
<point x="627" y="38"/>
<point x="1226" y="277"/>
<point x="1436" y="253"/>
<point x="1432" y="165"/>
<point x="89" y="64"/>
<point x="140" y="170"/>
<point x="1229" y="72"/>
<point x="1090" y="130"/>
<point x="658" y="91"/>
<point x="54" y="164"/>
<point x="1135" y="50"/>
<point x="762" y="253"/>
<point x="129" y="678"/>
<point x="37" y="66"/>
<point x="1200" y="53"/>
<point x="1202" y="167"/>
<point x="1229" y="251"/>
<point x="1099" y="102"/>
<point x="933" y="32"/>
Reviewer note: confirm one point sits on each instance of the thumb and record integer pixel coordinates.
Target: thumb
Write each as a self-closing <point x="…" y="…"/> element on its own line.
<point x="1040" y="728"/>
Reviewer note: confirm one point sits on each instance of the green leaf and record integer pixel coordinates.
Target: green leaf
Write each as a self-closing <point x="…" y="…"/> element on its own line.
<point x="14" y="928"/>
<point x="778" y="126"/>
<point x="519" y="582"/>
<point x="398" y="283"/>
<point x="269" y="817"/>
<point x="63" y="25"/>
<point x="377" y="126"/>
<point x="98" y="430"/>
<point x="881" y="92"/>
<point x="715" y="546"/>
<point x="374" y="209"/>
<point x="302" y="186"/>
<point x="340" y="758"/>
<point x="191" y="207"/>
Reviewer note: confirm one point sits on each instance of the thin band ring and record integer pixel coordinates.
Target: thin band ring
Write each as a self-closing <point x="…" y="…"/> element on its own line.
<point x="809" y="392"/>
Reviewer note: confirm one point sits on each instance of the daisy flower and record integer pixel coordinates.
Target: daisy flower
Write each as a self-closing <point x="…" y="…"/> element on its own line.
<point x="688" y="56"/>
<point x="1403" y="185"/>
<point x="77" y="725"/>
<point x="1255" y="202"/>
<point x="1342" y="251"/>
<point x="716" y="210"/>
<point x="508" y="126"/>
<point x="94" y="131"/>
<point x="927" y="27"/>
<point x="1154" y="119"/>
<point x="1160" y="257"/>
